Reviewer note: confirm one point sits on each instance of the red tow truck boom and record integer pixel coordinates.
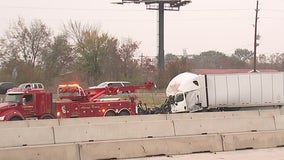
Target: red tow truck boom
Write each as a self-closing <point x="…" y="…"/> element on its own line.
<point x="97" y="92"/>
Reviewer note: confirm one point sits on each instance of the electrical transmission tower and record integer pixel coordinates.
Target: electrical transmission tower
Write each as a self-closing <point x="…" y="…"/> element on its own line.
<point x="161" y="6"/>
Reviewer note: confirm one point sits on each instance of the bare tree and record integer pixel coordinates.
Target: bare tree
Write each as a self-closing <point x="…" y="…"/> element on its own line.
<point x="26" y="43"/>
<point x="126" y="52"/>
<point x="97" y="52"/>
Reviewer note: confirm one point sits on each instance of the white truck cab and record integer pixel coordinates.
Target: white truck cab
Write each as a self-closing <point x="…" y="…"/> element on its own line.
<point x="185" y="89"/>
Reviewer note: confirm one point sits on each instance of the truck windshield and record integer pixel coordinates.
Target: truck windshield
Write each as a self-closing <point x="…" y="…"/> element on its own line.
<point x="179" y="97"/>
<point x="13" y="98"/>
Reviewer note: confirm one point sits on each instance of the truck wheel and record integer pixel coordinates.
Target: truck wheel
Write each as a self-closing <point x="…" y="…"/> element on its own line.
<point x="124" y="113"/>
<point x="47" y="117"/>
<point x="15" y="118"/>
<point x="110" y="113"/>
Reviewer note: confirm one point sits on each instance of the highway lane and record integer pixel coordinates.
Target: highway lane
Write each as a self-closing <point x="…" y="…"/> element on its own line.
<point x="253" y="154"/>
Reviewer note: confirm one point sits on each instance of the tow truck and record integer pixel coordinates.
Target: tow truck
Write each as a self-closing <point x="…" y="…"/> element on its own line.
<point x="37" y="103"/>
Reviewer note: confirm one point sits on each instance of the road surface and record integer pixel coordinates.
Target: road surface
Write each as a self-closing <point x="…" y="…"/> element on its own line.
<point x="256" y="154"/>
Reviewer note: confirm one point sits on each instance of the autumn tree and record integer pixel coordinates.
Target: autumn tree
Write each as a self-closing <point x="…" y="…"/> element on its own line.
<point x="243" y="54"/>
<point x="25" y="45"/>
<point x="28" y="43"/>
<point x="110" y="61"/>
<point x="98" y="56"/>
<point x="170" y="57"/>
<point x="272" y="61"/>
<point x="216" y="60"/>
<point x="147" y="69"/>
<point x="59" y="60"/>
<point x="209" y="59"/>
<point x="175" y="65"/>
<point x="126" y="52"/>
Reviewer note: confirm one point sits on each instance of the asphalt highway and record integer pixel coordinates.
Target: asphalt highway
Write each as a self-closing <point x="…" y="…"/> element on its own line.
<point x="253" y="154"/>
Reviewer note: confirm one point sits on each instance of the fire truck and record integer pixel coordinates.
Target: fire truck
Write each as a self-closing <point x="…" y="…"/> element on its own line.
<point x="37" y="103"/>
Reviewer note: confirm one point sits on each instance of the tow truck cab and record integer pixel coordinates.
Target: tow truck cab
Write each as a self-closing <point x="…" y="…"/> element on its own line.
<point x="22" y="104"/>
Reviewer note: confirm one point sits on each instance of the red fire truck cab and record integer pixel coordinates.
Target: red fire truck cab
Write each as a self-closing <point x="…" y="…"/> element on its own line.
<point x="75" y="102"/>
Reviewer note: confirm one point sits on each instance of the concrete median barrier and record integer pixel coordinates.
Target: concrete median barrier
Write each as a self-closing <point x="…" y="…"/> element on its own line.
<point x="114" y="119"/>
<point x="13" y="124"/>
<point x="45" y="152"/>
<point x="269" y="112"/>
<point x="279" y="122"/>
<point x="43" y="123"/>
<point x="112" y="131"/>
<point x="30" y="123"/>
<point x="221" y="125"/>
<point x="206" y="115"/>
<point x="282" y="111"/>
<point x="252" y="140"/>
<point x="25" y="136"/>
<point x="233" y="114"/>
<point x="150" y="147"/>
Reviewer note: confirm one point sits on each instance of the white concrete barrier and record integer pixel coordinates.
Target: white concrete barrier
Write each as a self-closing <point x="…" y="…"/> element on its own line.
<point x="149" y="147"/>
<point x="269" y="112"/>
<point x="206" y="115"/>
<point x="156" y="117"/>
<point x="43" y="123"/>
<point x="227" y="114"/>
<point x="279" y="122"/>
<point x="252" y="140"/>
<point x="221" y="125"/>
<point x="13" y="124"/>
<point x="282" y="111"/>
<point x="113" y="119"/>
<point x="112" y="131"/>
<point x="30" y="123"/>
<point x="45" y="152"/>
<point x="25" y="136"/>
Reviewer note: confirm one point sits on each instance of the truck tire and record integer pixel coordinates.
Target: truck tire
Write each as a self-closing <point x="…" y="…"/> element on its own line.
<point x="47" y="116"/>
<point x="124" y="113"/>
<point x="15" y="118"/>
<point x="110" y="113"/>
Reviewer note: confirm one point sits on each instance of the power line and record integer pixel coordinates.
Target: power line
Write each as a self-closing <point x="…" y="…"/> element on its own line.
<point x="135" y="10"/>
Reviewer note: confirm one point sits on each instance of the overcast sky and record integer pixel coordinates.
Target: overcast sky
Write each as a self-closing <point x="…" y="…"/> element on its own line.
<point x="221" y="25"/>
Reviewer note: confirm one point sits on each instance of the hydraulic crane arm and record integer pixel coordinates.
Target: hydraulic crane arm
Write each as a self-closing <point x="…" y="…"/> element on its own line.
<point x="97" y="92"/>
<point x="75" y="93"/>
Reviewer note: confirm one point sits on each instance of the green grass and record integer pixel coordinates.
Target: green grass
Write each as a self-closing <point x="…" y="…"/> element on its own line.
<point x="151" y="99"/>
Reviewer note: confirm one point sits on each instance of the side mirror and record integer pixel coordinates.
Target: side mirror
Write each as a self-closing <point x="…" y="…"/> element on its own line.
<point x="24" y="101"/>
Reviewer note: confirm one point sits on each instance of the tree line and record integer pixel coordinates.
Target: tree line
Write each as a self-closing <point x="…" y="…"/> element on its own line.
<point x="82" y="53"/>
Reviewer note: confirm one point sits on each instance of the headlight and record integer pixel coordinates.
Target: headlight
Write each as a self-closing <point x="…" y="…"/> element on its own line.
<point x="2" y="118"/>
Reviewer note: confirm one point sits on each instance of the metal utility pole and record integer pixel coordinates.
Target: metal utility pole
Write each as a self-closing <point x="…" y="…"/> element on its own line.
<point x="161" y="55"/>
<point x="161" y="6"/>
<point x="255" y="36"/>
